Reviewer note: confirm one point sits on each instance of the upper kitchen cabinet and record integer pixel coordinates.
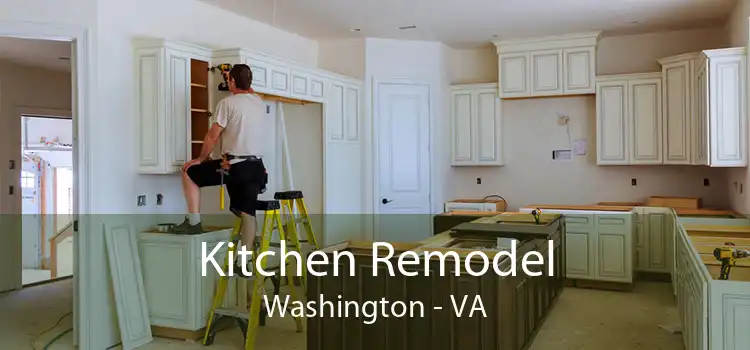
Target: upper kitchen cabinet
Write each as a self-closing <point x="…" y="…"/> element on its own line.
<point x="629" y="119"/>
<point x="705" y="108"/>
<point x="277" y="77"/>
<point x="548" y="66"/>
<point x="721" y="102"/>
<point x="476" y="126"/>
<point x="171" y="102"/>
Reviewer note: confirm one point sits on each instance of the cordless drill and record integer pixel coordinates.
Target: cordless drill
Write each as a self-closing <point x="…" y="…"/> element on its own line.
<point x="224" y="68"/>
<point x="536" y="213"/>
<point x="728" y="257"/>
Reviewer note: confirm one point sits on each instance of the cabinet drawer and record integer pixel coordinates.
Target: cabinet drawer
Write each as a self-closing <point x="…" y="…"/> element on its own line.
<point x="585" y="220"/>
<point x="611" y="220"/>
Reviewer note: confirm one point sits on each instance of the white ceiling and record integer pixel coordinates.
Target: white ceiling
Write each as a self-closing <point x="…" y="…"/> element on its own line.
<point x="36" y="53"/>
<point x="466" y="23"/>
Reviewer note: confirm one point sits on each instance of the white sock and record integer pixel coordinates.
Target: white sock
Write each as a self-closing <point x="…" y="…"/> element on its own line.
<point x="194" y="218"/>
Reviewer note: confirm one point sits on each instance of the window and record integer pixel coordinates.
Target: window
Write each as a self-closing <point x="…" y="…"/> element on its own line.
<point x="28" y="180"/>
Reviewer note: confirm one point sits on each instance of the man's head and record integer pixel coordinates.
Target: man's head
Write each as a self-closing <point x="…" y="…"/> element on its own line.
<point x="240" y="78"/>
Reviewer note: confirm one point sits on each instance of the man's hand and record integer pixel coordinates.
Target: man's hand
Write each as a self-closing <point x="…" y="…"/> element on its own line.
<point x="191" y="163"/>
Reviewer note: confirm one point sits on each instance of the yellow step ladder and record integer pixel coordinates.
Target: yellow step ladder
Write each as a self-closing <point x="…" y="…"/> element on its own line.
<point x="250" y="321"/>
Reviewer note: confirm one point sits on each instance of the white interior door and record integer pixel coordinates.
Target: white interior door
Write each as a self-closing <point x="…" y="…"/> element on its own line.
<point x="402" y="118"/>
<point x="31" y="208"/>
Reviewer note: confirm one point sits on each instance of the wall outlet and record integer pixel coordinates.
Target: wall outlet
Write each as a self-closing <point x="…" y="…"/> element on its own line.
<point x="479" y="181"/>
<point x="633" y="182"/>
<point x="706" y="182"/>
<point x="159" y="198"/>
<point x="142" y="200"/>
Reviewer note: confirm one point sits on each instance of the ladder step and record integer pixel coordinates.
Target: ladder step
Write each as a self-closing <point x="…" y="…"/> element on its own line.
<point x="233" y="313"/>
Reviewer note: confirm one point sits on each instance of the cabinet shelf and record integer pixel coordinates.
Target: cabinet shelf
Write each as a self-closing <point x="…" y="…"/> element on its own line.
<point x="204" y="86"/>
<point x="198" y="110"/>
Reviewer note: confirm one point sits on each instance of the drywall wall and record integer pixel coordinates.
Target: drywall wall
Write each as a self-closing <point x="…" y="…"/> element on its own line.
<point x="419" y="62"/>
<point x="531" y="177"/>
<point x="638" y="53"/>
<point x="531" y="133"/>
<point x="738" y="33"/>
<point x="344" y="56"/>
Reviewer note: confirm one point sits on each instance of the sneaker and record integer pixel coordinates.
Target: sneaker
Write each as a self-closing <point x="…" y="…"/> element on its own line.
<point x="186" y="229"/>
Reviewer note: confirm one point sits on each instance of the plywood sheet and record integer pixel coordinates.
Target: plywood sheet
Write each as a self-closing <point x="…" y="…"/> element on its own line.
<point x="580" y="207"/>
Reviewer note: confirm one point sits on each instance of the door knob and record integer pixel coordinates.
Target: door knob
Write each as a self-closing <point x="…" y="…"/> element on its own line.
<point x="386" y="201"/>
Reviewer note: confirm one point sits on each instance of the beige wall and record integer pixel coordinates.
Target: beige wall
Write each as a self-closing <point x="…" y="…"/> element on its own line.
<point x="531" y="133"/>
<point x="737" y="33"/>
<point x="304" y="129"/>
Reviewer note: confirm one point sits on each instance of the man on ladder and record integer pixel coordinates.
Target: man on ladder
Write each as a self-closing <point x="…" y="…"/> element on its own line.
<point x="239" y="128"/>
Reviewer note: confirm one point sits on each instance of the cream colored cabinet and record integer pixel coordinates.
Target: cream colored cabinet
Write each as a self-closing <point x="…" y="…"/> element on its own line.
<point x="476" y="126"/>
<point x="277" y="77"/>
<point x="722" y="114"/>
<point x="654" y="239"/>
<point x="629" y="119"/>
<point x="678" y="137"/>
<point x="599" y="244"/>
<point x="178" y="292"/>
<point x="705" y="108"/>
<point x="547" y="66"/>
<point x="163" y="103"/>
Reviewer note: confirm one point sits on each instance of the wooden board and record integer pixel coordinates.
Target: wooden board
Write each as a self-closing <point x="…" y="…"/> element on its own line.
<point x="621" y="204"/>
<point x="580" y="207"/>
<point x="694" y="228"/>
<point x="707" y="212"/>
<point x="674" y="202"/>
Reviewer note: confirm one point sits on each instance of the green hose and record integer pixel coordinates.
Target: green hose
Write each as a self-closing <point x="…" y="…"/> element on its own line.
<point x="56" y="338"/>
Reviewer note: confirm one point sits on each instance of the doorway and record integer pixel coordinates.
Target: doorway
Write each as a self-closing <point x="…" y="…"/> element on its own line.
<point x="46" y="197"/>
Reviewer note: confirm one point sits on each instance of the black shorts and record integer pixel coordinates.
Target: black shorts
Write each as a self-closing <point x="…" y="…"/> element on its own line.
<point x="246" y="180"/>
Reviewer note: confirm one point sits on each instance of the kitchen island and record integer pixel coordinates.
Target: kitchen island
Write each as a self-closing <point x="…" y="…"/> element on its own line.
<point x="515" y="305"/>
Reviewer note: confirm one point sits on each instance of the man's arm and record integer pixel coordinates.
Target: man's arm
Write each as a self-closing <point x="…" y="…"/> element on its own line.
<point x="209" y="141"/>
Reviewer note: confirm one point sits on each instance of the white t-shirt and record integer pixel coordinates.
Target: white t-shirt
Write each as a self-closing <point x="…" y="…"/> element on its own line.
<point x="241" y="116"/>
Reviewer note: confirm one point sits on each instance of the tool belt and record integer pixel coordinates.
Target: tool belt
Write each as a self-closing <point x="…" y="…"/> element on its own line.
<point x="225" y="167"/>
<point x="251" y="158"/>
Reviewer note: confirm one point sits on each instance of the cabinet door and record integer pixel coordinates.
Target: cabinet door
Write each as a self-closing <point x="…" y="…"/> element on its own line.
<point x="178" y="108"/>
<point x="700" y="114"/>
<point x="579" y="70"/>
<point x="727" y="111"/>
<point x="546" y="73"/>
<point x="658" y="245"/>
<point x="677" y="139"/>
<point x="488" y="128"/>
<point x="352" y="112"/>
<point x="578" y="258"/>
<point x="300" y="84"/>
<point x="462" y="129"/>
<point x="149" y="77"/>
<point x="612" y="122"/>
<point x="169" y="283"/>
<point x="646" y="121"/>
<point x="514" y="75"/>
<point x="613" y="260"/>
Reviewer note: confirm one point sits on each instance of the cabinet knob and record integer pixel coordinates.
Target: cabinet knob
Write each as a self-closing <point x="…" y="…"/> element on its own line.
<point x="386" y="201"/>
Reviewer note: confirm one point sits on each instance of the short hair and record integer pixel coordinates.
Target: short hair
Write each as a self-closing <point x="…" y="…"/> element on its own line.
<point x="242" y="75"/>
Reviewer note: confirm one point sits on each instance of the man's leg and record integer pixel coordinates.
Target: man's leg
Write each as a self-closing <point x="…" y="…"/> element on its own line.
<point x="192" y="197"/>
<point x="197" y="176"/>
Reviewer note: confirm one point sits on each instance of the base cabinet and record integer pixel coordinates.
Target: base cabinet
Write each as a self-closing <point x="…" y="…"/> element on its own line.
<point x="654" y="239"/>
<point x="178" y="293"/>
<point x="599" y="245"/>
<point x="515" y="306"/>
